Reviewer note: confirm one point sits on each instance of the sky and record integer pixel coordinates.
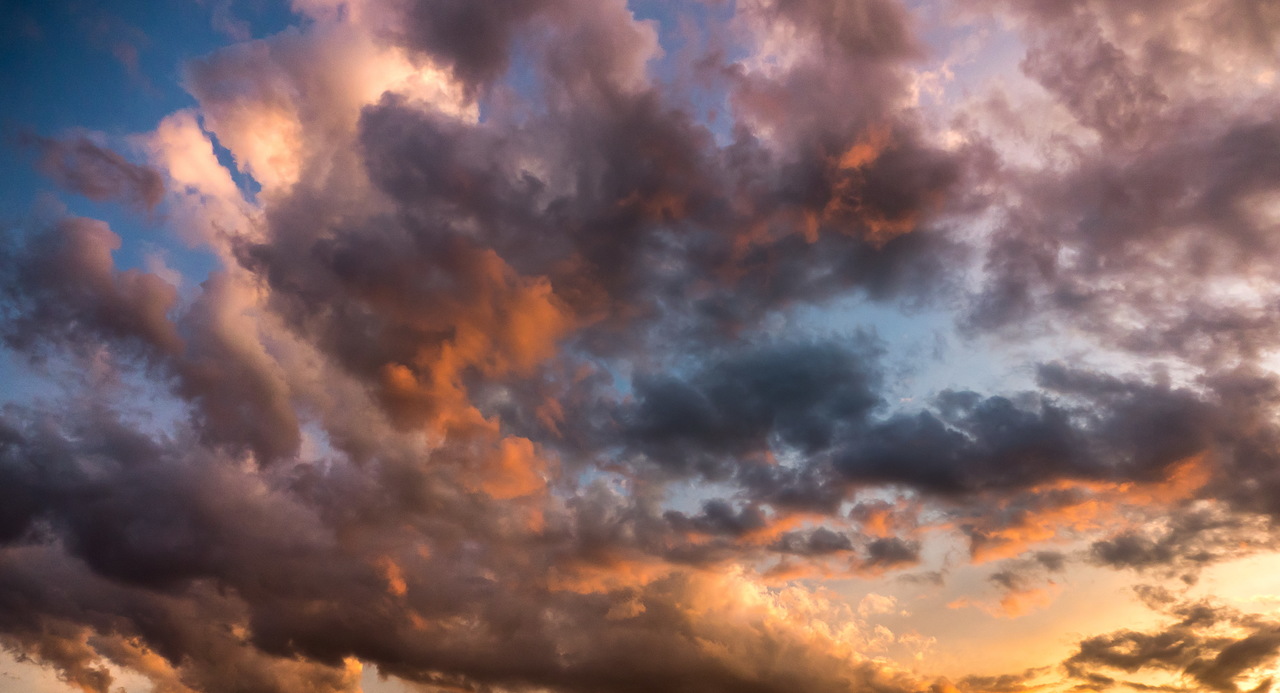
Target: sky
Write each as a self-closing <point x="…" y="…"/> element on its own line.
<point x="595" y="346"/>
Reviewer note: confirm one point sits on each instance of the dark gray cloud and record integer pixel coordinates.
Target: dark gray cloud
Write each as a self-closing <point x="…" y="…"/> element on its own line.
<point x="111" y="548"/>
<point x="819" y="542"/>
<point x="60" y="284"/>
<point x="1191" y="539"/>
<point x="475" y="40"/>
<point x="887" y="553"/>
<point x="818" y="403"/>
<point x="795" y="397"/>
<point x="80" y="165"/>
<point x="1212" y="645"/>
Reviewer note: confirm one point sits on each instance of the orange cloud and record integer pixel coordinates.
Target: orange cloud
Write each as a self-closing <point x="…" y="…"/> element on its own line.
<point x="393" y="575"/>
<point x="518" y="471"/>
<point x="1062" y="510"/>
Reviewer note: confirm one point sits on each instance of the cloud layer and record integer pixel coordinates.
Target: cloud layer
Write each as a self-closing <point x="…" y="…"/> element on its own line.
<point x="528" y="364"/>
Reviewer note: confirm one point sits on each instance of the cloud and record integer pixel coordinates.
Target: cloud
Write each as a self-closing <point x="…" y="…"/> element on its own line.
<point x="116" y="570"/>
<point x="518" y="371"/>
<point x="82" y="166"/>
<point x="796" y="396"/>
<point x="1214" y="646"/>
<point x="62" y="285"/>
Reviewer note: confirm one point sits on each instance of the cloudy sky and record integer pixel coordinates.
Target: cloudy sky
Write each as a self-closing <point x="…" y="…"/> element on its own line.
<point x="609" y="346"/>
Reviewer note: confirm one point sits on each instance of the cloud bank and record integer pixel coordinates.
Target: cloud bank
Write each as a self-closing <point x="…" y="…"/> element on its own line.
<point x="503" y="379"/>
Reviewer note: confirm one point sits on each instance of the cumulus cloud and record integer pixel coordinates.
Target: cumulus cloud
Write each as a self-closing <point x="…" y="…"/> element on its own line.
<point x="62" y="286"/>
<point x="508" y="379"/>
